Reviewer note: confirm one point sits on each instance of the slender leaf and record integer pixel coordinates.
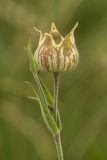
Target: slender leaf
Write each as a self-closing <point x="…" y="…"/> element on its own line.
<point x="41" y="91"/>
<point x="47" y="93"/>
<point x="59" y="120"/>
<point x="33" y="98"/>
<point x="33" y="64"/>
<point x="50" y="102"/>
<point x="34" y="87"/>
<point x="48" y="119"/>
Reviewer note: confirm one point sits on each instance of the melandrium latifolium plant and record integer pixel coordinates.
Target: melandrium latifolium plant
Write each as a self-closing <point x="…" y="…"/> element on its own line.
<point x="54" y="54"/>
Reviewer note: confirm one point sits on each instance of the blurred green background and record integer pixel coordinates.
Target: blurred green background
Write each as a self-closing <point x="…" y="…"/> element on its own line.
<point x="83" y="93"/>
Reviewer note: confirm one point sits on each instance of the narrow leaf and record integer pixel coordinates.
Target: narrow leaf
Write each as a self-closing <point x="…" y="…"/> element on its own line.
<point x="46" y="92"/>
<point x="34" y="87"/>
<point x="33" y="98"/>
<point x="50" y="103"/>
<point x="41" y="91"/>
<point x="59" y="121"/>
<point x="33" y="64"/>
<point x="48" y="119"/>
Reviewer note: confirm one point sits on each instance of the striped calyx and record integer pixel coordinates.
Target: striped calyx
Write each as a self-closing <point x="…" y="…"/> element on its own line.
<point x="55" y="53"/>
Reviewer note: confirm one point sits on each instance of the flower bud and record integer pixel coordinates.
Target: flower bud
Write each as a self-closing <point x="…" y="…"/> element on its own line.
<point x="55" y="53"/>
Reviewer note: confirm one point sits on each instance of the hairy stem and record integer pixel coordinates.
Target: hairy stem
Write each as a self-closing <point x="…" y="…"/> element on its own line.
<point x="57" y="137"/>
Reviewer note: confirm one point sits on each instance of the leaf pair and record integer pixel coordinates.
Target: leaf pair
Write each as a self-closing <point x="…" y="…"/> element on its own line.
<point x="44" y="97"/>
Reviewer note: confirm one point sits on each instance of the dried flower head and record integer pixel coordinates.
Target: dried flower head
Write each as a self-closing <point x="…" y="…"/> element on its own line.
<point x="55" y="53"/>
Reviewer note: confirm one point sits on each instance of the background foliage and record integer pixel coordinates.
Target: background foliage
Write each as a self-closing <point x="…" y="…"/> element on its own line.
<point x="83" y="93"/>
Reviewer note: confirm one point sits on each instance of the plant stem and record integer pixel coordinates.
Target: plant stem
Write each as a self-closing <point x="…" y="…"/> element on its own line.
<point x="56" y="86"/>
<point x="57" y="137"/>
<point x="59" y="146"/>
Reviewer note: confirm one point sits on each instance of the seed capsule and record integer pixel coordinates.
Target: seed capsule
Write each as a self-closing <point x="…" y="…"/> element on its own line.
<point x="55" y="53"/>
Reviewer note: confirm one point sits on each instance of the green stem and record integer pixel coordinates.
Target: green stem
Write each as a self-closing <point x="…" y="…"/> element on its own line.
<point x="57" y="137"/>
<point x="56" y="85"/>
<point x="59" y="146"/>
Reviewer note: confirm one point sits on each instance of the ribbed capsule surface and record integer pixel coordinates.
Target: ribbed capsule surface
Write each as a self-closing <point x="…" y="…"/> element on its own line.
<point x="55" y="53"/>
